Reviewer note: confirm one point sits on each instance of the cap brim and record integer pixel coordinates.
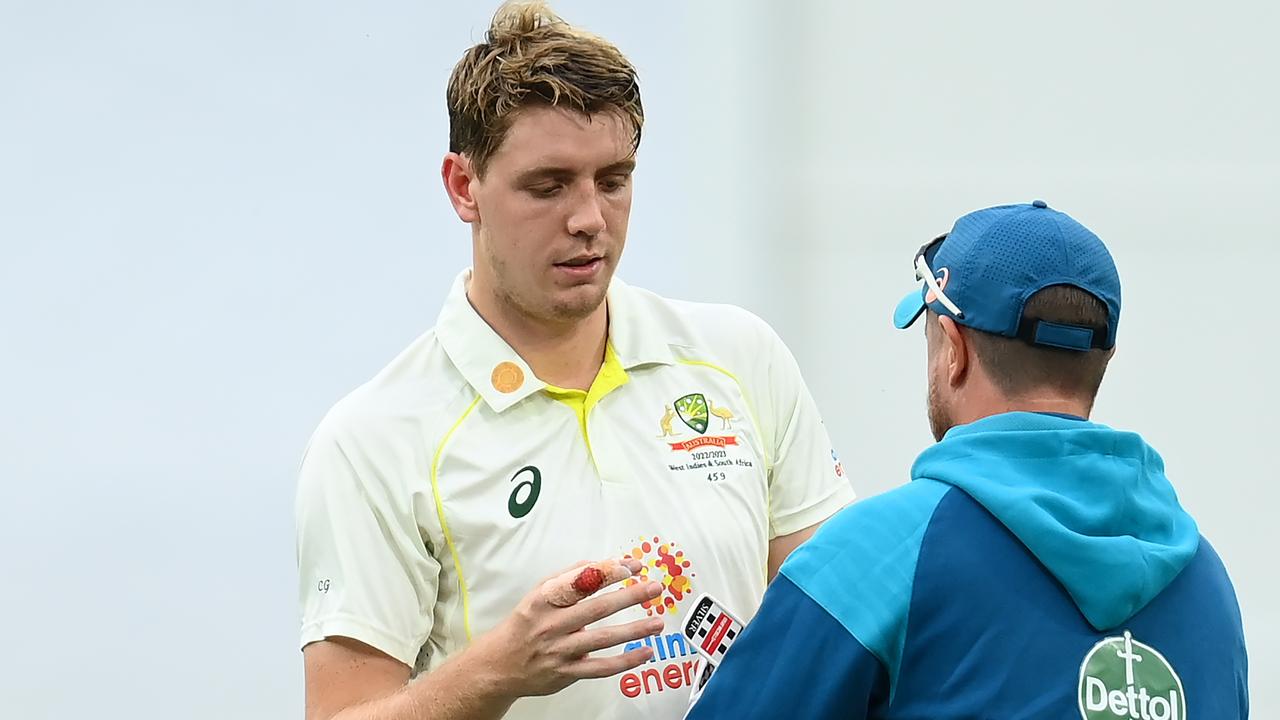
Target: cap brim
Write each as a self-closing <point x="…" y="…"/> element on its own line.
<point x="909" y="308"/>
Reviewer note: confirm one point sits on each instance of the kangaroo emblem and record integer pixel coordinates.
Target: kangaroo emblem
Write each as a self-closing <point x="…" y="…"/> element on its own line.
<point x="667" y="417"/>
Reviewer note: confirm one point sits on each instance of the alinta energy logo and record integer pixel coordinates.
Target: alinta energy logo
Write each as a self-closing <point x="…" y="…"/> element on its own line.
<point x="674" y="662"/>
<point x="1123" y="678"/>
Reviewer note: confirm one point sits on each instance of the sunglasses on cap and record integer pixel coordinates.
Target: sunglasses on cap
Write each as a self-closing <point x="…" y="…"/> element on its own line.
<point x="923" y="272"/>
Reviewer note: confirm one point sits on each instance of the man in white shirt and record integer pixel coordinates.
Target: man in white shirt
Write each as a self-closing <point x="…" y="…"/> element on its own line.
<point x="553" y="414"/>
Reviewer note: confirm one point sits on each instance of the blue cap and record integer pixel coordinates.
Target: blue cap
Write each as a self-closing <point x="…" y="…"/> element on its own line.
<point x="994" y="259"/>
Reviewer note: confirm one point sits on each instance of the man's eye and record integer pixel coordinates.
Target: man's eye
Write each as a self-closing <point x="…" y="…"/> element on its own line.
<point x="613" y="184"/>
<point x="545" y="191"/>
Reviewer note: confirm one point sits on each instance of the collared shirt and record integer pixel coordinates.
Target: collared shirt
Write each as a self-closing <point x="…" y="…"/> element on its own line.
<point x="434" y="497"/>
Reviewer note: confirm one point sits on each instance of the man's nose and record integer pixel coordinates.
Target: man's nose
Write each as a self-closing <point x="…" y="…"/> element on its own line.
<point x="587" y="217"/>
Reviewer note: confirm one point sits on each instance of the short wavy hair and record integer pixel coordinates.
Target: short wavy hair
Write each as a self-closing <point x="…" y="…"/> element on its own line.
<point x="532" y="57"/>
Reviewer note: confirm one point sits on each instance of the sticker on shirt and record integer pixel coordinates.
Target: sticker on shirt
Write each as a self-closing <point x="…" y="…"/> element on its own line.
<point x="674" y="663"/>
<point x="1123" y="678"/>
<point x="713" y="426"/>
<point x="711" y="629"/>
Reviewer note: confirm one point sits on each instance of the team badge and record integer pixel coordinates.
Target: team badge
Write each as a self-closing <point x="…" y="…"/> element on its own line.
<point x="692" y="409"/>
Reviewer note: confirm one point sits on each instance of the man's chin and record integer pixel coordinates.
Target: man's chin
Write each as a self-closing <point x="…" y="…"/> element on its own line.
<point x="938" y="430"/>
<point x="578" y="302"/>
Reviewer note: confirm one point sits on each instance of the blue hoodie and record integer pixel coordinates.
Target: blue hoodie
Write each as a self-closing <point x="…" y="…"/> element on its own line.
<point x="1037" y="566"/>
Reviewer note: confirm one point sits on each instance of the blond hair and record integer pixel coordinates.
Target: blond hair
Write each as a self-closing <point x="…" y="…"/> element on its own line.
<point x="532" y="57"/>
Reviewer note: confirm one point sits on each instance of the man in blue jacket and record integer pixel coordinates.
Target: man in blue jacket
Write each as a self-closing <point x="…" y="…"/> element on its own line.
<point x="1038" y="565"/>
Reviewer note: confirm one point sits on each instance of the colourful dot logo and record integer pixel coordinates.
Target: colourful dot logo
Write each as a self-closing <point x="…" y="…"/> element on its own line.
<point x="662" y="562"/>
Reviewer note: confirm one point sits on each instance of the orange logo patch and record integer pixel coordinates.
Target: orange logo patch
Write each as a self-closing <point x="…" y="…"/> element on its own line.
<point x="662" y="562"/>
<point x="507" y="377"/>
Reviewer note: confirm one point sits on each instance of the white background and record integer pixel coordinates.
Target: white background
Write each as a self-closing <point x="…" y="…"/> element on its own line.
<point x="218" y="218"/>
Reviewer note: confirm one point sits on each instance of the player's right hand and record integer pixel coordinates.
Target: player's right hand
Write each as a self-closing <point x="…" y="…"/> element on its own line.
<point x="540" y="649"/>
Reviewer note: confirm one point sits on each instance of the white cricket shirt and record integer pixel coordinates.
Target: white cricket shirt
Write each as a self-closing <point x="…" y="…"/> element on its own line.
<point x="435" y="496"/>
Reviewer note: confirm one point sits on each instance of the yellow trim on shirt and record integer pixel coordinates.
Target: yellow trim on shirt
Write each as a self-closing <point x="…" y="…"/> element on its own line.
<point x="444" y="524"/>
<point x="610" y="377"/>
<point x="750" y="409"/>
<point x="764" y="448"/>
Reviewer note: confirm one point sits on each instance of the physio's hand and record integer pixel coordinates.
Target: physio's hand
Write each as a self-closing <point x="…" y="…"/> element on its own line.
<point x="542" y="647"/>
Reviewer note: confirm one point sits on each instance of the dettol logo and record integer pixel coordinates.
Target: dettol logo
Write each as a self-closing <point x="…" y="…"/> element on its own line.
<point x="1123" y="678"/>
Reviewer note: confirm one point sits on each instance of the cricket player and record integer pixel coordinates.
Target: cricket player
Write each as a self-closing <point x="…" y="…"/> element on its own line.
<point x="1038" y="565"/>
<point x="554" y="414"/>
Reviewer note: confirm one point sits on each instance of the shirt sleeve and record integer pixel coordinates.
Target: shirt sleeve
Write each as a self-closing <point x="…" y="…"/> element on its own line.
<point x="364" y="569"/>
<point x="794" y="660"/>
<point x="807" y="483"/>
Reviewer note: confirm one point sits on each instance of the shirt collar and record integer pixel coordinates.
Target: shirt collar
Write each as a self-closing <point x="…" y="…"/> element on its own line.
<point x="494" y="370"/>
<point x="637" y="336"/>
<point x="499" y="375"/>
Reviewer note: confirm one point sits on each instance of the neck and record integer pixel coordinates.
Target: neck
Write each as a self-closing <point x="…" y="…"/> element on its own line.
<point x="566" y="354"/>
<point x="1031" y="402"/>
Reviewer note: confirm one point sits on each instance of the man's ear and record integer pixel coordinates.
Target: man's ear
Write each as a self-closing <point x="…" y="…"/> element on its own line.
<point x="955" y="347"/>
<point x="458" y="175"/>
